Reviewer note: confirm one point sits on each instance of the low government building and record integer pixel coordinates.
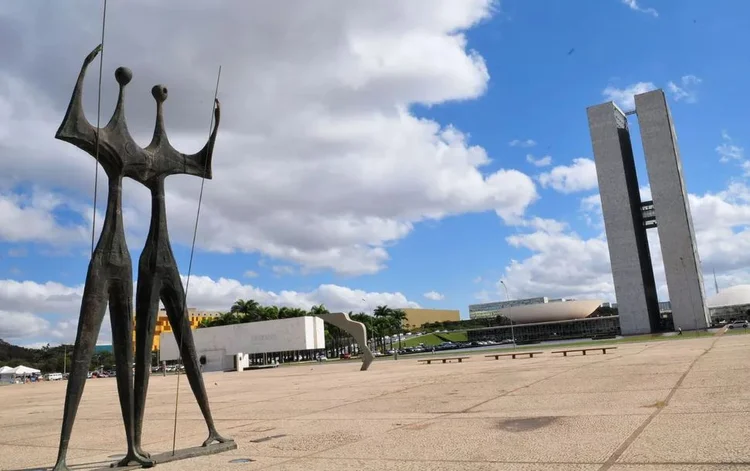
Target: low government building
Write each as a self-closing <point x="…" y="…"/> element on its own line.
<point x="162" y="324"/>
<point x="542" y="319"/>
<point x="264" y="342"/>
<point x="416" y="318"/>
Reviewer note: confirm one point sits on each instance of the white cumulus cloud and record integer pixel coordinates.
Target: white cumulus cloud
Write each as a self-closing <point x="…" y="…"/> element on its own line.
<point x="540" y="161"/>
<point x="26" y="302"/>
<point x="522" y="143"/>
<point x="728" y="150"/>
<point x="580" y="175"/>
<point x="625" y="97"/>
<point x="685" y="90"/>
<point x="318" y="161"/>
<point x="434" y="296"/>
<point x="634" y="5"/>
<point x="568" y="264"/>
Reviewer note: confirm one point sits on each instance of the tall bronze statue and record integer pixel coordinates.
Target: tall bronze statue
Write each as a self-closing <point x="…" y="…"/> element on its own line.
<point x="158" y="275"/>
<point x="110" y="273"/>
<point x="110" y="279"/>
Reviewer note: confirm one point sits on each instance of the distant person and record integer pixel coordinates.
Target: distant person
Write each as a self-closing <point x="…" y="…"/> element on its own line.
<point x="679" y="331"/>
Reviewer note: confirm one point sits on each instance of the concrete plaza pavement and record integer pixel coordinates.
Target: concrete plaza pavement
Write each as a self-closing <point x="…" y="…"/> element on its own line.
<point x="669" y="405"/>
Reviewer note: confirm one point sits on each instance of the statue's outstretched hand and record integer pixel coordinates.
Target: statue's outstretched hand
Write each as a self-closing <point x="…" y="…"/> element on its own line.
<point x="92" y="55"/>
<point x="217" y="111"/>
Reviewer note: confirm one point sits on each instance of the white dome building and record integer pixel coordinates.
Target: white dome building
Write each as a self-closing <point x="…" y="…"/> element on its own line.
<point x="734" y="296"/>
<point x="534" y="310"/>
<point x="730" y="303"/>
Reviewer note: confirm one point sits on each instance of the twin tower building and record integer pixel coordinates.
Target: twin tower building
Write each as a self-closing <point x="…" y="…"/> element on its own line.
<point x="627" y="217"/>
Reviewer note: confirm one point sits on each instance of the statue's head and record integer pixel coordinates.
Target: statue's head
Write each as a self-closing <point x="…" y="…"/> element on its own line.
<point x="123" y="75"/>
<point x="160" y="93"/>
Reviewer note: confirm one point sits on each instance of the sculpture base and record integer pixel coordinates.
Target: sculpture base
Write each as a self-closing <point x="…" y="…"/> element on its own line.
<point x="183" y="454"/>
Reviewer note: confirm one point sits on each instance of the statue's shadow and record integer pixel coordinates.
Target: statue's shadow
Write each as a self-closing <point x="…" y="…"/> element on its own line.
<point x="79" y="466"/>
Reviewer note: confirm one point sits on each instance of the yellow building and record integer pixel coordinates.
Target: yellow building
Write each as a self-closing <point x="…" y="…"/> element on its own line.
<point x="416" y="318"/>
<point x="162" y="324"/>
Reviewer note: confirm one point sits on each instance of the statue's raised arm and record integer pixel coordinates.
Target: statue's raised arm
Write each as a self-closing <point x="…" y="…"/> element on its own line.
<point x="75" y="128"/>
<point x="116" y="149"/>
<point x="168" y="160"/>
<point x="199" y="164"/>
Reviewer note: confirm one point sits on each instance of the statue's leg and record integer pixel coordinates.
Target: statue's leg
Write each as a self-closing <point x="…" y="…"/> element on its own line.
<point x="146" y="315"/>
<point x="121" y="316"/>
<point x="173" y="297"/>
<point x="93" y="307"/>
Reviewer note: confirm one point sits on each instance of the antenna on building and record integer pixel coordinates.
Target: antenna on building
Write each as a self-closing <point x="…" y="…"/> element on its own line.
<point x="716" y="284"/>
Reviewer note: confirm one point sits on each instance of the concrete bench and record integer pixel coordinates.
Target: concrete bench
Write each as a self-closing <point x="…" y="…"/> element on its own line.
<point x="444" y="359"/>
<point x="513" y="354"/>
<point x="584" y="350"/>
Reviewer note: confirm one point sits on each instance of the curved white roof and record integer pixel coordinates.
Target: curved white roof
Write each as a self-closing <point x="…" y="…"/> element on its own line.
<point x="733" y="296"/>
<point x="549" y="312"/>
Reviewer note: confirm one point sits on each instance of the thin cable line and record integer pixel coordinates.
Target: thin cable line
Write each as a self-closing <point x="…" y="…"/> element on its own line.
<point x="98" y="117"/>
<point x="190" y="264"/>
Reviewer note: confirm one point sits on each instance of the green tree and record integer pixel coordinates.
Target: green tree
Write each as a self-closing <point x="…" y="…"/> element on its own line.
<point x="229" y="318"/>
<point x="367" y="320"/>
<point x="242" y="306"/>
<point x="269" y="313"/>
<point x="246" y="311"/>
<point x="316" y="310"/>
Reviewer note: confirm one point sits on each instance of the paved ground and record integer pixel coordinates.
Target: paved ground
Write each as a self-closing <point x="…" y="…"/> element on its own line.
<point x="653" y="406"/>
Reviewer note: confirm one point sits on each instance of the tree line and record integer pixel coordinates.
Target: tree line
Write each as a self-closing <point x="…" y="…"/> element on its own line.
<point x="49" y="359"/>
<point x="384" y="323"/>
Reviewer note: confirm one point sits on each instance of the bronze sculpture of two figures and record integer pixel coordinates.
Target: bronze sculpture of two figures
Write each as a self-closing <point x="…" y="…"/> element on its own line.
<point x="110" y="279"/>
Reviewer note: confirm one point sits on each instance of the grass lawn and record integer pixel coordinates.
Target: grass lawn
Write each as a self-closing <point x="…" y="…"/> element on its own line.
<point x="456" y="336"/>
<point x="737" y="331"/>
<point x="432" y="339"/>
<point x="580" y="343"/>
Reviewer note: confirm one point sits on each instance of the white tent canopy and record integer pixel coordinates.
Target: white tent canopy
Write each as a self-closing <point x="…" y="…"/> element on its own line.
<point x="9" y="375"/>
<point x="25" y="370"/>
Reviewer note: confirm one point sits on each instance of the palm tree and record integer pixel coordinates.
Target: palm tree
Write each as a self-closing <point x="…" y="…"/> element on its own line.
<point x="297" y="312"/>
<point x="367" y="320"/>
<point x="320" y="309"/>
<point x="269" y="313"/>
<point x="244" y="307"/>
<point x="228" y="318"/>
<point x="399" y="318"/>
<point x="381" y="325"/>
<point x="382" y="313"/>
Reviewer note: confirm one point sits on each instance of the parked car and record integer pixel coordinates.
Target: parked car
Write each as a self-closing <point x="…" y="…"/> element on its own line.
<point x="738" y="324"/>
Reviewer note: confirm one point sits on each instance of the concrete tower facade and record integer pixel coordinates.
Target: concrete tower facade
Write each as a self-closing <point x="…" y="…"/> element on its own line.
<point x="626" y="217"/>
<point x="629" y="254"/>
<point x="672" y="210"/>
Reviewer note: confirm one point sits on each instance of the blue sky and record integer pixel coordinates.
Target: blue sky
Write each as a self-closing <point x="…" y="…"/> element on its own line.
<point x="378" y="155"/>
